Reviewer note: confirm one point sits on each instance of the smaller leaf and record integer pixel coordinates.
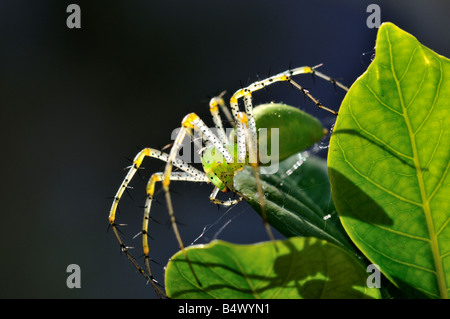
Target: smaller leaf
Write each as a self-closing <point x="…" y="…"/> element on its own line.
<point x="297" y="129"/>
<point x="295" y="268"/>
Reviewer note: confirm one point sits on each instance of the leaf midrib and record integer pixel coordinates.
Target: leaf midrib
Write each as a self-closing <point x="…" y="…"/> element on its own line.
<point x="425" y="201"/>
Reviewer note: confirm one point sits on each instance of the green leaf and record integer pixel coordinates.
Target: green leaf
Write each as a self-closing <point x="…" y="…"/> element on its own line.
<point x="291" y="123"/>
<point x="297" y="201"/>
<point x="389" y="162"/>
<point x="298" y="268"/>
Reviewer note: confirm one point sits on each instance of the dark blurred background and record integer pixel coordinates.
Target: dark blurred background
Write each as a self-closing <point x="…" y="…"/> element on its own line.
<point x="76" y="103"/>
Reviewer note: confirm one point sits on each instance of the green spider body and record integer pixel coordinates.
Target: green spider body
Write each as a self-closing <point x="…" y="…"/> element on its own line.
<point x="297" y="131"/>
<point x="219" y="172"/>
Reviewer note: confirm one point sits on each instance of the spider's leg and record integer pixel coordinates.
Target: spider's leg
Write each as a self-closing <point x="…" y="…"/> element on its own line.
<point x="124" y="248"/>
<point x="327" y="78"/>
<point x="158" y="177"/>
<point x="240" y="136"/>
<point x="147" y="152"/>
<point x="246" y="127"/>
<point x="285" y="76"/>
<point x="224" y="108"/>
<point x="137" y="162"/>
<point x="214" y="104"/>
<point x="307" y="94"/>
<point x="189" y="123"/>
<point x="216" y="201"/>
<point x="251" y="127"/>
<point x="193" y="122"/>
<point x="254" y="164"/>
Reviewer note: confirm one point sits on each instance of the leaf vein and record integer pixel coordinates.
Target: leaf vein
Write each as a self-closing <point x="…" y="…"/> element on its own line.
<point x="381" y="102"/>
<point x="409" y="63"/>
<point x="438" y="89"/>
<point x="394" y="259"/>
<point x="377" y="138"/>
<point x="443" y="226"/>
<point x="418" y="90"/>
<point x="435" y="147"/>
<point x="441" y="181"/>
<point x="192" y="282"/>
<point x="402" y="233"/>
<point x="249" y="283"/>
<point x="399" y="197"/>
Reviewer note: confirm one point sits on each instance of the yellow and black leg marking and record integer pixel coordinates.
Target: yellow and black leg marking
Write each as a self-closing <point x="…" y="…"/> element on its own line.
<point x="158" y="177"/>
<point x="190" y="174"/>
<point x="252" y="146"/>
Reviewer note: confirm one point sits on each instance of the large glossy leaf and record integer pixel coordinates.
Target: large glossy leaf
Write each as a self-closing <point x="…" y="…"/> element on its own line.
<point x="296" y="268"/>
<point x="297" y="199"/>
<point x="389" y="163"/>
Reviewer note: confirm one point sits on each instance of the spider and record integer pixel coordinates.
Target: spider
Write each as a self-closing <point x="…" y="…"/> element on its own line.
<point x="222" y="157"/>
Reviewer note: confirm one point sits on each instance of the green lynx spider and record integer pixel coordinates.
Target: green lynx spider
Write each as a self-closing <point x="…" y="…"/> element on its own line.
<point x="218" y="172"/>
